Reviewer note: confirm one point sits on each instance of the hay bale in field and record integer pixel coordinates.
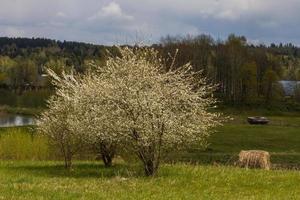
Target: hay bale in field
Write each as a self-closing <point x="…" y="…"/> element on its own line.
<point x="255" y="159"/>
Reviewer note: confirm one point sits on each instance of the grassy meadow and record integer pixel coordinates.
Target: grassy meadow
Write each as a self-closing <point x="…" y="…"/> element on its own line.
<point x="90" y="180"/>
<point x="281" y="138"/>
<point x="26" y="171"/>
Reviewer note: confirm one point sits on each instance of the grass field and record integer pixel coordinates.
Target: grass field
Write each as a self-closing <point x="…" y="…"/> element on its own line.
<point x="48" y="180"/>
<point x="281" y="138"/>
<point x="33" y="179"/>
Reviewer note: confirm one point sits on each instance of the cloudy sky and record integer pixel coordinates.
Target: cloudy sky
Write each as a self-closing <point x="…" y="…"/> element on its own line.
<point x="126" y="21"/>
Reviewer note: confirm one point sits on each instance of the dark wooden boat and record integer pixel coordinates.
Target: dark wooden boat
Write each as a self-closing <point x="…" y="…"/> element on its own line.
<point x="257" y="120"/>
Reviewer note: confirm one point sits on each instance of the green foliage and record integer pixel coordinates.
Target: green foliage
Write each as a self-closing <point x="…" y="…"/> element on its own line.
<point x="272" y="90"/>
<point x="249" y="83"/>
<point x="246" y="74"/>
<point x="241" y="69"/>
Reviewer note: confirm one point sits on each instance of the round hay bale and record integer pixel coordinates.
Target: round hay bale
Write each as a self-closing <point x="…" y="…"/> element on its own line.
<point x="255" y="159"/>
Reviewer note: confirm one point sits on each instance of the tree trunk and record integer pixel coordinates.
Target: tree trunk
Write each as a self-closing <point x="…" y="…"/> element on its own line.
<point x="67" y="156"/>
<point x="150" y="162"/>
<point x="107" y="160"/>
<point x="150" y="168"/>
<point x="68" y="162"/>
<point x="107" y="154"/>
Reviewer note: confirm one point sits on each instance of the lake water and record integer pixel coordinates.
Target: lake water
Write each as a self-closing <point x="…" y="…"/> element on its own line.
<point x="10" y="120"/>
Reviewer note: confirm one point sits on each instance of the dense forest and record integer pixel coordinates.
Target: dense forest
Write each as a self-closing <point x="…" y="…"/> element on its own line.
<point x="246" y="74"/>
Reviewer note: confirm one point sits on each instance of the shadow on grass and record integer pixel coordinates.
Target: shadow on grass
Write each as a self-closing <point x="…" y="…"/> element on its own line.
<point x="79" y="170"/>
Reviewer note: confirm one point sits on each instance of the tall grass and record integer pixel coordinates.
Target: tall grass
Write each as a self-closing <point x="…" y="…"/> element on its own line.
<point x="22" y="144"/>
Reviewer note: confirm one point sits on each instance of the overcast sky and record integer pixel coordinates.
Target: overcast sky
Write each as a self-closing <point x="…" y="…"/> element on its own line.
<point x="121" y="21"/>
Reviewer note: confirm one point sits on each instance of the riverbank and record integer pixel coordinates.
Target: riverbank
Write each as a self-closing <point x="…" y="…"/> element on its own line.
<point x="20" y="110"/>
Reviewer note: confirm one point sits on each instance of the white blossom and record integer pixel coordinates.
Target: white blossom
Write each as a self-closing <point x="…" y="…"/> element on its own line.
<point x="134" y="102"/>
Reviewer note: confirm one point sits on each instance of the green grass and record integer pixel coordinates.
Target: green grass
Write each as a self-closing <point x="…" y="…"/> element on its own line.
<point x="281" y="138"/>
<point x="233" y="138"/>
<point x="48" y="180"/>
<point x="33" y="179"/>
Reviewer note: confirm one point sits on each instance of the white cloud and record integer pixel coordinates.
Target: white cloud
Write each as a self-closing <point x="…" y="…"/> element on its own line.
<point x="60" y="14"/>
<point x="227" y="15"/>
<point x="104" y="20"/>
<point x="111" y="11"/>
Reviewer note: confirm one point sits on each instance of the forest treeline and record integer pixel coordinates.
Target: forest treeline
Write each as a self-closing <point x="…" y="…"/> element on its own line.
<point x="246" y="74"/>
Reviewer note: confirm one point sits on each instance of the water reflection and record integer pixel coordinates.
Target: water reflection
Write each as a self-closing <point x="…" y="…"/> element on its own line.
<point x="9" y="120"/>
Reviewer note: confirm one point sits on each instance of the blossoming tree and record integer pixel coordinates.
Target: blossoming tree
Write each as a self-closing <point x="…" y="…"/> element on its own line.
<point x="153" y="110"/>
<point x="134" y="102"/>
<point x="59" y="121"/>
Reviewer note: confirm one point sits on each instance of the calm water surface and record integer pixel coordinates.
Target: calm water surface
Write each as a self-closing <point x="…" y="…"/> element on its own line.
<point x="10" y="120"/>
